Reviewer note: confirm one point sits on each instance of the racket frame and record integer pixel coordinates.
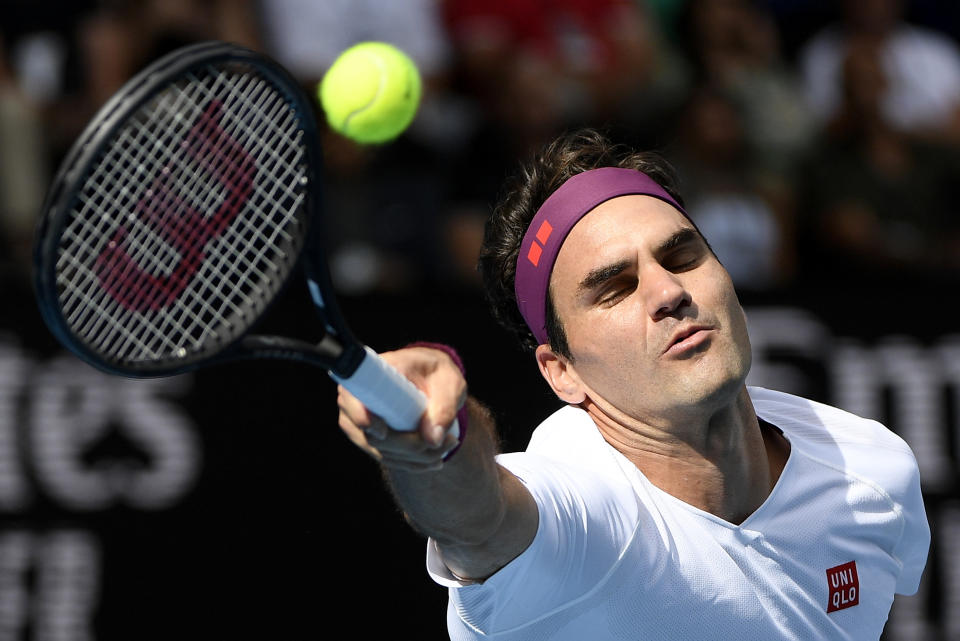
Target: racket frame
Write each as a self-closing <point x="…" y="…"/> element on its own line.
<point x="338" y="351"/>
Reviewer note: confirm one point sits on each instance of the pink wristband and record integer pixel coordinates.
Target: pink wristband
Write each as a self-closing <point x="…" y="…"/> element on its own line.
<point x="462" y="412"/>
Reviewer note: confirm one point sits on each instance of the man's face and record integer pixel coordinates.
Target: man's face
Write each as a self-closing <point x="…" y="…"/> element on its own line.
<point x="651" y="317"/>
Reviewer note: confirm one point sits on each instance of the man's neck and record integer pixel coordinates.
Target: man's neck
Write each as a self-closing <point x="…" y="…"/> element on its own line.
<point x="725" y="464"/>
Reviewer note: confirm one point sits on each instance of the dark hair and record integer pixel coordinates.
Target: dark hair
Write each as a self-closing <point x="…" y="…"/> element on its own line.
<point x="568" y="155"/>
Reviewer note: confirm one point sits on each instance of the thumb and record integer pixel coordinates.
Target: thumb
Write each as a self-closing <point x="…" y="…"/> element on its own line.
<point x="438" y="419"/>
<point x="446" y="391"/>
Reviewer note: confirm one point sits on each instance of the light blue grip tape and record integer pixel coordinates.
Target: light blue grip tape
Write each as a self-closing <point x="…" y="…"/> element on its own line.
<point x="388" y="394"/>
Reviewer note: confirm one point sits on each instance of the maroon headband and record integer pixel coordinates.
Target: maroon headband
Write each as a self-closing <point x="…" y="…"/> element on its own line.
<point x="554" y="220"/>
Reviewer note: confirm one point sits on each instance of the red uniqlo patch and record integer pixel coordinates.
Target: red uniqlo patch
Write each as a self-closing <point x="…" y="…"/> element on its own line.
<point x="844" y="587"/>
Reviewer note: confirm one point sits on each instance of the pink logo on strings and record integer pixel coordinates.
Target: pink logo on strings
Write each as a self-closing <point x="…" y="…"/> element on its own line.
<point x="185" y="228"/>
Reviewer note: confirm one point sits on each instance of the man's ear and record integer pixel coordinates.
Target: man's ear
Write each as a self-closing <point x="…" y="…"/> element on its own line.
<point x="560" y="376"/>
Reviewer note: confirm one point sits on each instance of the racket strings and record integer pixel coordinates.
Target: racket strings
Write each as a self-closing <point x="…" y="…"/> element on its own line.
<point x="203" y="229"/>
<point x="254" y="226"/>
<point x="145" y="248"/>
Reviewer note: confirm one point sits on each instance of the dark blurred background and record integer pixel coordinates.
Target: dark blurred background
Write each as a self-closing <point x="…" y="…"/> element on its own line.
<point x="819" y="148"/>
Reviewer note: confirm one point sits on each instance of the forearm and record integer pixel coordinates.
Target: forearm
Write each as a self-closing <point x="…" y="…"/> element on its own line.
<point x="480" y="515"/>
<point x="460" y="501"/>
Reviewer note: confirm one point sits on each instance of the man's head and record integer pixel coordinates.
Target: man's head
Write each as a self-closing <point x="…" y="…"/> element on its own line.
<point x="630" y="280"/>
<point x="565" y="157"/>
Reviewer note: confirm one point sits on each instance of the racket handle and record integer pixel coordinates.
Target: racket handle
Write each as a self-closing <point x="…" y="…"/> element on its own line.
<point x="388" y="393"/>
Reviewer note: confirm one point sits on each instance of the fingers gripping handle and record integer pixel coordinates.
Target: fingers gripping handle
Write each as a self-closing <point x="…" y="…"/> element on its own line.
<point x="388" y="394"/>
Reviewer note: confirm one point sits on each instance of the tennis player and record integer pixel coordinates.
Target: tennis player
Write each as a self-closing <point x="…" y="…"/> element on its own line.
<point x="666" y="499"/>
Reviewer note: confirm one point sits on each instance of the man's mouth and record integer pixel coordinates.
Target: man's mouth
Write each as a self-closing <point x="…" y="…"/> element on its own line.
<point x="687" y="338"/>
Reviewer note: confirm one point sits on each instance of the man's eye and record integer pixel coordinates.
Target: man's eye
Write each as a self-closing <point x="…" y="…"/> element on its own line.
<point x="614" y="294"/>
<point x="683" y="261"/>
<point x="611" y="296"/>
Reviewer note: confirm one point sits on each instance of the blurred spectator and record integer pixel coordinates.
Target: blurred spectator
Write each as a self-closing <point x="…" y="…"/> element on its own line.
<point x="921" y="66"/>
<point x="881" y="202"/>
<point x="537" y="66"/>
<point x="23" y="170"/>
<point x="736" y="45"/>
<point x="744" y="211"/>
<point x="114" y="40"/>
<point x="123" y="37"/>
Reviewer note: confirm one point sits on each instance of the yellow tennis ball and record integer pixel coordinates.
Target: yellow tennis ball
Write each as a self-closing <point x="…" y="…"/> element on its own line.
<point x="371" y="92"/>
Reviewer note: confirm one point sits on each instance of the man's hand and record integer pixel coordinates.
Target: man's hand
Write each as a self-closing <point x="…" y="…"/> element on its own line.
<point x="437" y="376"/>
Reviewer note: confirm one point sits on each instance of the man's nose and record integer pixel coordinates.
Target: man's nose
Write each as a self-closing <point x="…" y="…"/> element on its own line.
<point x="665" y="293"/>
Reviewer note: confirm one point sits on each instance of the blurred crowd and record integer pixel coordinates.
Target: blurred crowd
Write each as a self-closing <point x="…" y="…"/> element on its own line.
<point x="818" y="142"/>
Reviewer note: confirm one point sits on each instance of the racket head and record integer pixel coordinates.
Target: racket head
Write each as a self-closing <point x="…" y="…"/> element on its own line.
<point x="180" y="213"/>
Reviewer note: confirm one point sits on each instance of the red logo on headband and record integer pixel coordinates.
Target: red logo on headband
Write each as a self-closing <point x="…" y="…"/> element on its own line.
<point x="533" y="255"/>
<point x="544" y="232"/>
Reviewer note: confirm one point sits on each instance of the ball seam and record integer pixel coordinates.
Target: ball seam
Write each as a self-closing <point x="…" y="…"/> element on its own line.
<point x="383" y="73"/>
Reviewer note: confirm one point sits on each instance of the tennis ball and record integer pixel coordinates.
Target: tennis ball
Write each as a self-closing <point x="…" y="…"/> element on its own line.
<point x="371" y="92"/>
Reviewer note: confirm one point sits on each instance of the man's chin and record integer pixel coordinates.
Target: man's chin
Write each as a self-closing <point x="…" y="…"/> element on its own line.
<point x="714" y="391"/>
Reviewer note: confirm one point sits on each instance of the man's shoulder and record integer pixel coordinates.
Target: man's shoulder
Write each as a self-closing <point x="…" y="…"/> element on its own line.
<point x="567" y="443"/>
<point x="840" y="439"/>
<point x="815" y="420"/>
<point x="564" y="432"/>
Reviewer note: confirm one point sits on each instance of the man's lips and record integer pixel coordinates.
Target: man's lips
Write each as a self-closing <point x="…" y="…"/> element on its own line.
<point x="687" y="338"/>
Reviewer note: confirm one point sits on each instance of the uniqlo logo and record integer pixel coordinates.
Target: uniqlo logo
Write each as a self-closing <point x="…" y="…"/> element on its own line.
<point x="844" y="587"/>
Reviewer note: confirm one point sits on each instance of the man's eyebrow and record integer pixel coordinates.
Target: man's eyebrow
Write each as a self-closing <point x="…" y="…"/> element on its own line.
<point x="600" y="275"/>
<point x="678" y="238"/>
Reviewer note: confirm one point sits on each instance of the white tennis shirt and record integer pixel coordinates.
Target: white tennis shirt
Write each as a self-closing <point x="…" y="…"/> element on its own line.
<point x="615" y="557"/>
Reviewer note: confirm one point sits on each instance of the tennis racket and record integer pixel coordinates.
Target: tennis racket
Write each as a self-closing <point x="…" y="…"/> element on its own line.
<point x="179" y="214"/>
